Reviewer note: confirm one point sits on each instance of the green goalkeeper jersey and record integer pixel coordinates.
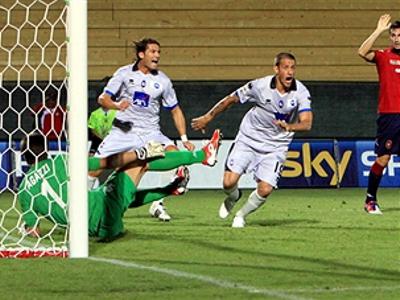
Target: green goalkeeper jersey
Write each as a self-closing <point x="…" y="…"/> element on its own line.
<point x="43" y="192"/>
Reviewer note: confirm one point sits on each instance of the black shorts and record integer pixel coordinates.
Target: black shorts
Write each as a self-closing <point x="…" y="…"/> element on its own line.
<point x="388" y="134"/>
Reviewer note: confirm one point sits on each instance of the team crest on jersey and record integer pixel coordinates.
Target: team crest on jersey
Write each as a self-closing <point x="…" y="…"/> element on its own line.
<point x="231" y="162"/>
<point x="156" y="85"/>
<point x="388" y="144"/>
<point x="131" y="81"/>
<point x="143" y="84"/>
<point x="293" y="102"/>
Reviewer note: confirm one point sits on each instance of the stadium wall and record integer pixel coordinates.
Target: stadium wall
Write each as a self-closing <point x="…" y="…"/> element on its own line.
<point x="212" y="40"/>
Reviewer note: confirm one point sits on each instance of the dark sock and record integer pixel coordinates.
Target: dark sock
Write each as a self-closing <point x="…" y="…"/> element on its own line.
<point x="375" y="176"/>
<point x="150" y="195"/>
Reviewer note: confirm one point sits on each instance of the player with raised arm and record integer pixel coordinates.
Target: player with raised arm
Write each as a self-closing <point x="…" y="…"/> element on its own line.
<point x="140" y="88"/>
<point x="282" y="106"/>
<point x="43" y="191"/>
<point x="387" y="141"/>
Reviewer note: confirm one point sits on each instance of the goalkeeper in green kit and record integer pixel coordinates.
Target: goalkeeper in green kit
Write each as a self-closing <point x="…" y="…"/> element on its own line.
<point x="43" y="192"/>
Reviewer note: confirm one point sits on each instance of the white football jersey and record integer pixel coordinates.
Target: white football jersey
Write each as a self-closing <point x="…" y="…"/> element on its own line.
<point x="257" y="128"/>
<point x="146" y="93"/>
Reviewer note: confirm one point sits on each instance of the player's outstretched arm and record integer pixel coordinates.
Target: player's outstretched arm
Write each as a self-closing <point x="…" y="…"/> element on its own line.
<point x="200" y="123"/>
<point x="180" y="125"/>
<point x="365" y="49"/>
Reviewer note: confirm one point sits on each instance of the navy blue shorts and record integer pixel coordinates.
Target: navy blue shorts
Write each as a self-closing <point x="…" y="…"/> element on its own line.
<point x="388" y="134"/>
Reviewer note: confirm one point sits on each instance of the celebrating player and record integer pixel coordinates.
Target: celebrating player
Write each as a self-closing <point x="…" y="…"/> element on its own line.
<point x="282" y="107"/>
<point x="139" y="88"/>
<point x="388" y="134"/>
<point x="43" y="191"/>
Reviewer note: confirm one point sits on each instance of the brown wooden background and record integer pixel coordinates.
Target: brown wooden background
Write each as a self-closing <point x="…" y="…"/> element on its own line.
<point x="209" y="40"/>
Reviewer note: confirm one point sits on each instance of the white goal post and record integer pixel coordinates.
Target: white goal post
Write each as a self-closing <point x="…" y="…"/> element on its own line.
<point x="43" y="49"/>
<point x="78" y="137"/>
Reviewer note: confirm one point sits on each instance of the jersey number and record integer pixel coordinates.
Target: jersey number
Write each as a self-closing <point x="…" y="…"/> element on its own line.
<point x="48" y="192"/>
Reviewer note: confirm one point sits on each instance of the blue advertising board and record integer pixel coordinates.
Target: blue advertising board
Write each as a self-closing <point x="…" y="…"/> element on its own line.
<point x="365" y="159"/>
<point x="322" y="163"/>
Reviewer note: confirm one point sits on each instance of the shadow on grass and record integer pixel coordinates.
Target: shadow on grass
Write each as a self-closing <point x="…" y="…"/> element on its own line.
<point x="328" y="267"/>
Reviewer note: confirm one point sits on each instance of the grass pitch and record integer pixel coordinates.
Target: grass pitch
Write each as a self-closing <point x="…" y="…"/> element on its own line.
<point x="302" y="244"/>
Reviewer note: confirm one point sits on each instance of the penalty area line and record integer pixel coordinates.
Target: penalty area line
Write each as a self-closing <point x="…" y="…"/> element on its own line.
<point x="207" y="279"/>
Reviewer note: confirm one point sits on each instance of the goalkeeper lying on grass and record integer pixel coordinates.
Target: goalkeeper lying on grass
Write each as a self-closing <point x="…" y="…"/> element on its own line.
<point x="43" y="191"/>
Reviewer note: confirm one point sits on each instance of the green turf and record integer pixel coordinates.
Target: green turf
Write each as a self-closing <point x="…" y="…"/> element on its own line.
<point x="303" y="244"/>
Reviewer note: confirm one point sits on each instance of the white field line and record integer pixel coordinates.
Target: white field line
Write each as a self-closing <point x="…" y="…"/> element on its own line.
<point x="207" y="279"/>
<point x="281" y="294"/>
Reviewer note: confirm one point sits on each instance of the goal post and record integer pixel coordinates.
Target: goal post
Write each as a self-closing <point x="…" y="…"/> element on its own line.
<point x="78" y="137"/>
<point x="43" y="88"/>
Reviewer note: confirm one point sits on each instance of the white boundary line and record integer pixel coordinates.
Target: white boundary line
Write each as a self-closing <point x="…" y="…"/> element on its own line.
<point x="282" y="294"/>
<point x="207" y="279"/>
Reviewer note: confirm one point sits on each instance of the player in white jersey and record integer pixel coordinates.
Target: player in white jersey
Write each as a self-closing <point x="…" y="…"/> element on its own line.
<point x="140" y="89"/>
<point x="282" y="106"/>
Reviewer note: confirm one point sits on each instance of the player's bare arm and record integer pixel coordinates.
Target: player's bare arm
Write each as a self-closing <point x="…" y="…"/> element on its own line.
<point x="304" y="123"/>
<point x="105" y="101"/>
<point x="365" y="50"/>
<point x="180" y="125"/>
<point x="200" y="123"/>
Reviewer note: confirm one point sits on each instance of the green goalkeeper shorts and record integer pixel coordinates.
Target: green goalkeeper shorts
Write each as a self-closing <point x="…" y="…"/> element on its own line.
<point x="108" y="203"/>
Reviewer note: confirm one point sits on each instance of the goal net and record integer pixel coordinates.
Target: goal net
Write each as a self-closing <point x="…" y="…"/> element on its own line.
<point x="34" y="97"/>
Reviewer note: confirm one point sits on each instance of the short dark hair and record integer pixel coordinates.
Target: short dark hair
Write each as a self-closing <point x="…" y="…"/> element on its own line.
<point x="395" y="25"/>
<point x="141" y="46"/>
<point x="34" y="148"/>
<point x="281" y="56"/>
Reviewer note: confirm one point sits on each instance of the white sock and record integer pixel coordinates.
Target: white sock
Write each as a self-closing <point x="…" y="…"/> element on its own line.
<point x="253" y="203"/>
<point x="92" y="182"/>
<point x="233" y="193"/>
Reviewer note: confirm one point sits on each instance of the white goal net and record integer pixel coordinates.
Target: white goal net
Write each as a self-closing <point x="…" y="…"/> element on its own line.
<point x="33" y="98"/>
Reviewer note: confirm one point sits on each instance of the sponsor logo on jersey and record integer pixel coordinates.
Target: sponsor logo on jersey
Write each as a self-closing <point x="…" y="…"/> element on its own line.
<point x="280" y="103"/>
<point x="143" y="83"/>
<point x="282" y="117"/>
<point x="394" y="62"/>
<point x="141" y="99"/>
